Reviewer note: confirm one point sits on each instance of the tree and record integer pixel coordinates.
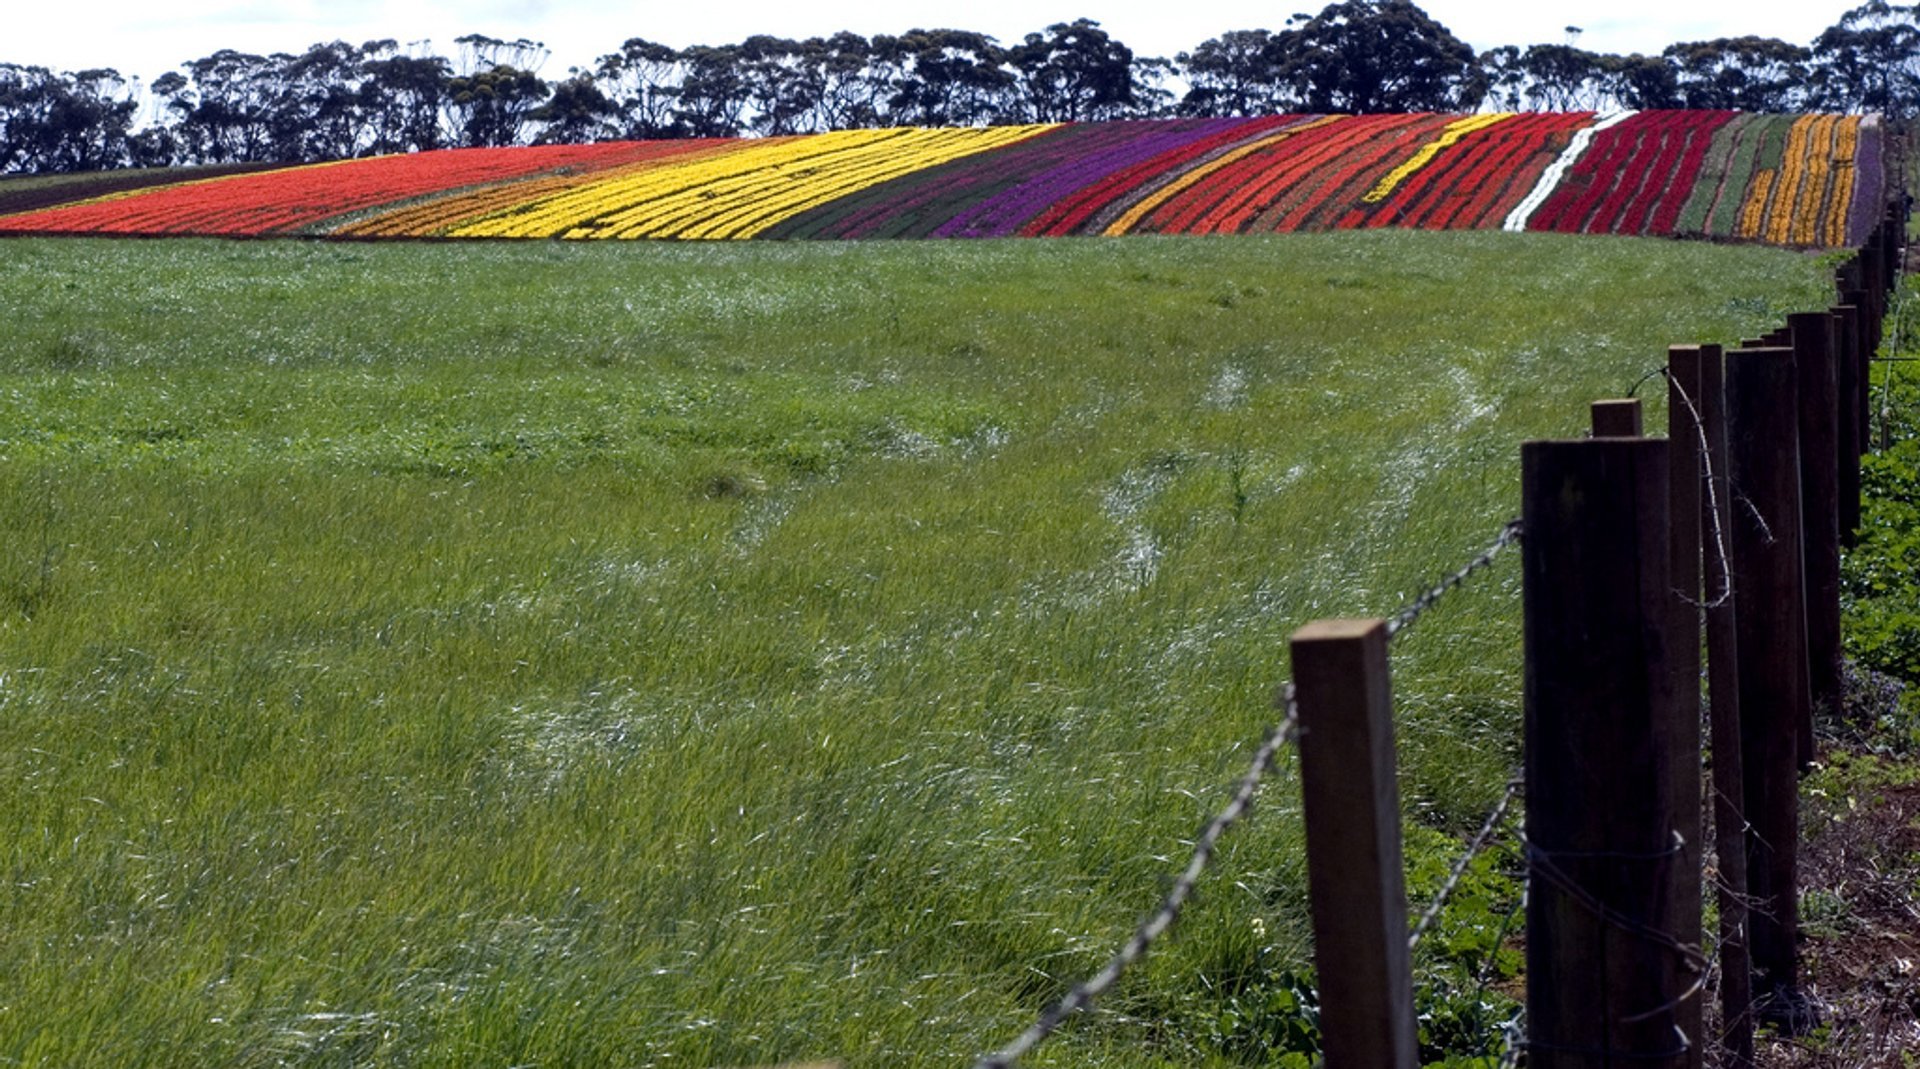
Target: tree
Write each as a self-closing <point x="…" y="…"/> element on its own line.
<point x="1869" y="60"/>
<point x="1233" y="74"/>
<point x="577" y="113"/>
<point x="1547" y="78"/>
<point x="1643" y="82"/>
<point x="1740" y="73"/>
<point x="852" y="93"/>
<point x="50" y="121"/>
<point x="224" y="106"/>
<point x="943" y="77"/>
<point x="1377" y="56"/>
<point x="712" y="98"/>
<point x="642" y="81"/>
<point x="319" y="112"/>
<point x="402" y="98"/>
<point x="491" y="108"/>
<point x="1074" y="72"/>
<point x="782" y="86"/>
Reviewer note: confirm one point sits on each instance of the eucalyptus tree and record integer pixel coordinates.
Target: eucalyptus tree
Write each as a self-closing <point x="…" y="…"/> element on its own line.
<point x="576" y="113"/>
<point x="1234" y="74"/>
<point x="1073" y="72"/>
<point x="53" y="121"/>
<point x="1869" y="60"/>
<point x="943" y="78"/>
<point x="403" y="97"/>
<point x="712" y="97"/>
<point x="1740" y="73"/>
<point x="642" y="82"/>
<point x="1365" y="56"/>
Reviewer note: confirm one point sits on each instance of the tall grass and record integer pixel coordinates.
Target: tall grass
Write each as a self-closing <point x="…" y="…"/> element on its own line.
<point x="696" y="655"/>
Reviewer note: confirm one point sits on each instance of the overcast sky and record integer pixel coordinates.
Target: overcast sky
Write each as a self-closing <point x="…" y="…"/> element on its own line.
<point x="146" y="38"/>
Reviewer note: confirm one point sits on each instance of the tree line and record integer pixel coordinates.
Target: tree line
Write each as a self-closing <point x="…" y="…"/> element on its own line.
<point x="338" y="100"/>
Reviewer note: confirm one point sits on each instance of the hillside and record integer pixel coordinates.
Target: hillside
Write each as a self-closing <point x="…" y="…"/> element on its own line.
<point x="1809" y="181"/>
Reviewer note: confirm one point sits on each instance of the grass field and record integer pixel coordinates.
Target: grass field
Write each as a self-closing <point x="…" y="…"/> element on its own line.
<point x="689" y="655"/>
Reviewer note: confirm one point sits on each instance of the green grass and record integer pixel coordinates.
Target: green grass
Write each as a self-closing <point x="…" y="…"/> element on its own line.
<point x="698" y="655"/>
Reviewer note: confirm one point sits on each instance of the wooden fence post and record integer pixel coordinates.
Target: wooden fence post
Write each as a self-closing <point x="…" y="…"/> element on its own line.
<point x="1685" y="437"/>
<point x="1866" y="342"/>
<point x="1846" y="349"/>
<point x="1819" y="413"/>
<point x="1605" y="974"/>
<point x="1617" y="418"/>
<point x="1771" y="631"/>
<point x="1351" y="802"/>
<point x="1723" y="691"/>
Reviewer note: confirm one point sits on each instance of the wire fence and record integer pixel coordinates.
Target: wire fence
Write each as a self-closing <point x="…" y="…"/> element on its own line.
<point x="1545" y="870"/>
<point x="1162" y="919"/>
<point x="1082" y="995"/>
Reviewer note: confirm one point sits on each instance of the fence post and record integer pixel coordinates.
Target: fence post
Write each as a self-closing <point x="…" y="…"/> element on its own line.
<point x="1617" y="418"/>
<point x="1685" y="439"/>
<point x="1866" y="342"/>
<point x="1723" y="691"/>
<point x="1819" y="413"/>
<point x="1846" y="348"/>
<point x="1351" y="802"/>
<point x="1605" y="975"/>
<point x="1772" y="638"/>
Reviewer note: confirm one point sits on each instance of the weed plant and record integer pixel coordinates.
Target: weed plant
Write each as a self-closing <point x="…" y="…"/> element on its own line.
<point x="694" y="655"/>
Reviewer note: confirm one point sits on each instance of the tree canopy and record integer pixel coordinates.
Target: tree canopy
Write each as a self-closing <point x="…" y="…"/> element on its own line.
<point x="338" y="100"/>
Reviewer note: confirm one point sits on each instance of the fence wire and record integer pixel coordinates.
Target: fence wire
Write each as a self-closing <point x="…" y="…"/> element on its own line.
<point x="1895" y="341"/>
<point x="1722" y="562"/>
<point x="1083" y="994"/>
<point x="1479" y="845"/>
<point x="1509" y="534"/>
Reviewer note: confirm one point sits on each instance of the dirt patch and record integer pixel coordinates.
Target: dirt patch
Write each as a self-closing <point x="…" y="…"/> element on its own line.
<point x="1860" y="911"/>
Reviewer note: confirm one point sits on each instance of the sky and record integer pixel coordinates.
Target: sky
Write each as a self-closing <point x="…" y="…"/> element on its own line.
<point x="145" y="39"/>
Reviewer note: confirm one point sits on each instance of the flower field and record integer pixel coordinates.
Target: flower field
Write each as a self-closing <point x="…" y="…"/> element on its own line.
<point x="1808" y="181"/>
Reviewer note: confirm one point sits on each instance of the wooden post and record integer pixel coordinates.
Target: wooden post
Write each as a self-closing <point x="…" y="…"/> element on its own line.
<point x="1846" y="373"/>
<point x="1605" y="974"/>
<point x="1684" y="433"/>
<point x="1819" y="413"/>
<point x="1866" y="342"/>
<point x="1619" y="418"/>
<point x="1723" y="692"/>
<point x="1763" y="463"/>
<point x="1351" y="802"/>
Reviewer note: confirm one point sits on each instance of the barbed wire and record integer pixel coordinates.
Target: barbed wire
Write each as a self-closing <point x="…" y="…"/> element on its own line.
<point x="1541" y="862"/>
<point x="1899" y="317"/>
<point x="1634" y="390"/>
<point x="1477" y="846"/>
<point x="1708" y="479"/>
<point x="1509" y="534"/>
<point x="1683" y="1046"/>
<point x="1083" y="994"/>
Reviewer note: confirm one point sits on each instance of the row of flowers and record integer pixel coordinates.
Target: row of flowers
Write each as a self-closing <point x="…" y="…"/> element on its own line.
<point x="1787" y="180"/>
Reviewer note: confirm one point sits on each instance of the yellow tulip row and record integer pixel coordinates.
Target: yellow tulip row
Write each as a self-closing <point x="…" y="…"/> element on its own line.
<point x="1834" y="234"/>
<point x="740" y="192"/>
<point x="1807" y="200"/>
<point x="1453" y="133"/>
<point x="434" y="216"/>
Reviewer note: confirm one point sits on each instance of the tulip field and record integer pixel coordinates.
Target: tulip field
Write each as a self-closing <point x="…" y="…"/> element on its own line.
<point x="1805" y="181"/>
